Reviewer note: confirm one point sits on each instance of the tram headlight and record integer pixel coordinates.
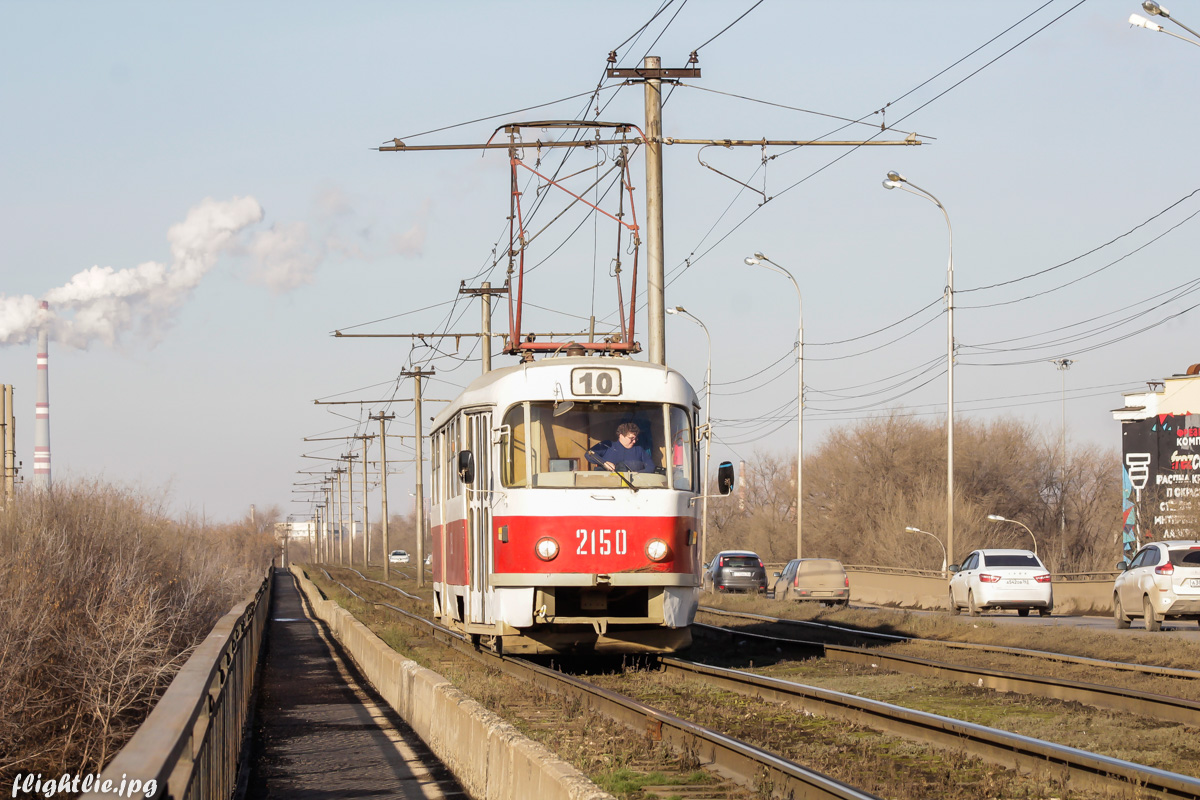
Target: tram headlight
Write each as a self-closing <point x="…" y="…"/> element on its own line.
<point x="657" y="550"/>
<point x="546" y="549"/>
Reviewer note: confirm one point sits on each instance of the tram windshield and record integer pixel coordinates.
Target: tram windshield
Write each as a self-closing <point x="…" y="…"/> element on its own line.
<point x="599" y="445"/>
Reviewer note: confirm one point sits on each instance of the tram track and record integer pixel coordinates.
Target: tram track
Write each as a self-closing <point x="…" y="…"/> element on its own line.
<point x="997" y="746"/>
<point x="1116" y="698"/>
<point x="748" y="763"/>
<point x="1144" y="669"/>
<point x="730" y="758"/>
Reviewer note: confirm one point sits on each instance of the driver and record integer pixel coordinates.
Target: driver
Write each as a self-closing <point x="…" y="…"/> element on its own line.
<point x="624" y="454"/>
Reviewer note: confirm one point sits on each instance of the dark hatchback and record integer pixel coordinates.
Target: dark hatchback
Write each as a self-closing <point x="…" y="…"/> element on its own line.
<point x="735" y="571"/>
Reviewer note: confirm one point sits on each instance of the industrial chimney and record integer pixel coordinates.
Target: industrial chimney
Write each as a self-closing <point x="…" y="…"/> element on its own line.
<point x="41" y="431"/>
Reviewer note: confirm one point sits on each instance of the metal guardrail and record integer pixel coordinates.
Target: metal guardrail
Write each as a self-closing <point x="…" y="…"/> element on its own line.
<point x="191" y="742"/>
<point x="936" y="573"/>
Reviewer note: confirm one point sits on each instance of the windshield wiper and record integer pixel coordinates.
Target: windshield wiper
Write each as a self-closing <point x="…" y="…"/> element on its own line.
<point x="588" y="455"/>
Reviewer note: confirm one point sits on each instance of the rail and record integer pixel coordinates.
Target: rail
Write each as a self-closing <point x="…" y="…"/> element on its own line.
<point x="733" y="759"/>
<point x="190" y="744"/>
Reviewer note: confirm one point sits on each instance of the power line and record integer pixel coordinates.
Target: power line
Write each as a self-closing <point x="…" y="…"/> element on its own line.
<point x="1090" y="252"/>
<point x="727" y="27"/>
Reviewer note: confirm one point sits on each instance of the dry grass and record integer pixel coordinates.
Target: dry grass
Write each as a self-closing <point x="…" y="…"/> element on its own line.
<point x="1142" y="740"/>
<point x="1155" y="649"/>
<point x="102" y="600"/>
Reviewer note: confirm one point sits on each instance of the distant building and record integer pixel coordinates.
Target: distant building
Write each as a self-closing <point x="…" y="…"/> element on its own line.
<point x="1160" y="461"/>
<point x="294" y="530"/>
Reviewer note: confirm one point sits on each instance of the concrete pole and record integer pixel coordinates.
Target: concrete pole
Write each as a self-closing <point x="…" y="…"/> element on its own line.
<point x="9" y="445"/>
<point x="486" y="352"/>
<point x="420" y="480"/>
<point x="366" y="522"/>
<point x="800" y="431"/>
<point x="341" y="517"/>
<point x="350" y="480"/>
<point x="383" y="488"/>
<point x="327" y="547"/>
<point x="655" y="272"/>
<point x="949" y="386"/>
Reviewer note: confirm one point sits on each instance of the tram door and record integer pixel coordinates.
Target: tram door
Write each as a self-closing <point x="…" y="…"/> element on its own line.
<point x="479" y="509"/>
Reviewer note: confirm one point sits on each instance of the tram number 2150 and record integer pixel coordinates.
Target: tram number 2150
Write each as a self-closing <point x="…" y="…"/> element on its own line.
<point x="604" y="541"/>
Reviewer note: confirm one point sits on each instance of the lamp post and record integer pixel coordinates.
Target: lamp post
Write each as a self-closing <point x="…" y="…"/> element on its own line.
<point x="938" y="539"/>
<point x="1063" y="365"/>
<point x="998" y="518"/>
<point x="759" y="260"/>
<point x="707" y="430"/>
<point x="1155" y="10"/>
<point x="897" y="181"/>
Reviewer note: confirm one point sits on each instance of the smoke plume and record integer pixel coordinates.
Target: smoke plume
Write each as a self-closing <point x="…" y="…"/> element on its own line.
<point x="101" y="303"/>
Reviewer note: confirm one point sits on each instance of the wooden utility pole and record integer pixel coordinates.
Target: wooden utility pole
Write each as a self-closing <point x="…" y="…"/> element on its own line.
<point x="315" y="555"/>
<point x="366" y="517"/>
<point x="387" y="547"/>
<point x="485" y="292"/>
<point x="341" y="516"/>
<point x="655" y="271"/>
<point x="8" y="419"/>
<point x="417" y="374"/>
<point x="349" y="459"/>
<point x="327" y="556"/>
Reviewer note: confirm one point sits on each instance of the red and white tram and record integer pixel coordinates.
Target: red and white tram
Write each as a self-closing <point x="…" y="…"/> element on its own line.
<point x="539" y="548"/>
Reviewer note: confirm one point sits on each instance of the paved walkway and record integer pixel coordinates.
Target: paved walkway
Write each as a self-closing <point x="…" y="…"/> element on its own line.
<point x="320" y="730"/>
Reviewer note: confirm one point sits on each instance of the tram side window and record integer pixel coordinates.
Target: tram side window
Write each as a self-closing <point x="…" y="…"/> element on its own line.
<point x="513" y="466"/>
<point x="683" y="451"/>
<point x="449" y="456"/>
<point x="435" y="464"/>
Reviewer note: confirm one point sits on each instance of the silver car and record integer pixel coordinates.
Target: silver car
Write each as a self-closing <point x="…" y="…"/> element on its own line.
<point x="822" y="579"/>
<point x="1162" y="582"/>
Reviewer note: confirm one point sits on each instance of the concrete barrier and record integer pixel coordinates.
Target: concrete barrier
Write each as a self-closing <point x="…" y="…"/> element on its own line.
<point x="491" y="759"/>
<point x="922" y="589"/>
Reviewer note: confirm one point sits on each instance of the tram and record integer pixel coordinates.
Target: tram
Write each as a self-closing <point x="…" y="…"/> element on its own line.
<point x="541" y="542"/>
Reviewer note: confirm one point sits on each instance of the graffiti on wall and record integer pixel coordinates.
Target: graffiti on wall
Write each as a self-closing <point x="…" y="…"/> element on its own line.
<point x="1160" y="465"/>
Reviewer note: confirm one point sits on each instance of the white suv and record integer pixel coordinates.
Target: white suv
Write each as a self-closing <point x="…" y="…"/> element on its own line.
<point x="1161" y="582"/>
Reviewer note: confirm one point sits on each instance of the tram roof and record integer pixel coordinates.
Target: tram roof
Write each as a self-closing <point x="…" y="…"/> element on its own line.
<point x="538" y="380"/>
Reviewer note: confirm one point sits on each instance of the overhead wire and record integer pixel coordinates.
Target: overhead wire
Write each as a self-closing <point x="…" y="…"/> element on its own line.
<point x="727" y="27"/>
<point x="1090" y="252"/>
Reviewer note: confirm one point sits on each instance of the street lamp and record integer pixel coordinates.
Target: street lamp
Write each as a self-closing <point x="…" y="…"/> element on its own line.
<point x="707" y="430"/>
<point x="936" y="538"/>
<point x="897" y="181"/>
<point x="759" y="260"/>
<point x="1155" y="10"/>
<point x="998" y="518"/>
<point x="1063" y="365"/>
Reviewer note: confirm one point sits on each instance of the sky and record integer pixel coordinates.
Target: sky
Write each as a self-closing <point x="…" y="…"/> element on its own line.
<point x="197" y="191"/>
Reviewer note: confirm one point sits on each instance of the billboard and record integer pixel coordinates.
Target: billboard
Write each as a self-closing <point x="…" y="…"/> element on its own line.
<point x="1160" y="466"/>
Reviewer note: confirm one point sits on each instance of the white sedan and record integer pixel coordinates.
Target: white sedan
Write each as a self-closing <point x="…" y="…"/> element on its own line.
<point x="398" y="557"/>
<point x="994" y="579"/>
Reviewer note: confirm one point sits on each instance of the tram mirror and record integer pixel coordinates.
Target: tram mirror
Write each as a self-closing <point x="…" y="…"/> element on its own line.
<point x="725" y="477"/>
<point x="466" y="466"/>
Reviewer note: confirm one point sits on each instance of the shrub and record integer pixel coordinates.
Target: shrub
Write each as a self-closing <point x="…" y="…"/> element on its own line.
<point x="103" y="598"/>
